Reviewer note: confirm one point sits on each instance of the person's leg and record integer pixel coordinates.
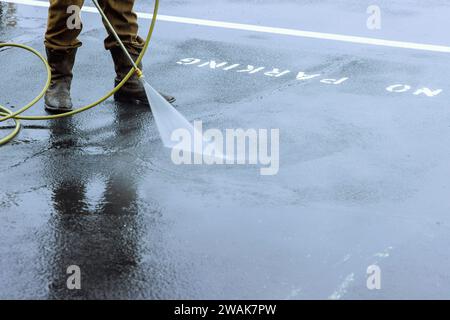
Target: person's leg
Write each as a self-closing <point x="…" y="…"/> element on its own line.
<point x="124" y="21"/>
<point x="62" y="32"/>
<point x="61" y="45"/>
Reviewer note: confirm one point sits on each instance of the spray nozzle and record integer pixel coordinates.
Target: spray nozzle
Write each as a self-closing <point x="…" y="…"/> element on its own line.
<point x="139" y="73"/>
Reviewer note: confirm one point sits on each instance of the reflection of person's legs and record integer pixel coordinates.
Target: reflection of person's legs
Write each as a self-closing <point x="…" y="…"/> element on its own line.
<point x="70" y="207"/>
<point x="61" y="45"/>
<point x="124" y="21"/>
<point x="101" y="237"/>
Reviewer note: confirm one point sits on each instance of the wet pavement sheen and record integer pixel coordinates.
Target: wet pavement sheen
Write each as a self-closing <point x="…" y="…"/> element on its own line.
<point x="363" y="177"/>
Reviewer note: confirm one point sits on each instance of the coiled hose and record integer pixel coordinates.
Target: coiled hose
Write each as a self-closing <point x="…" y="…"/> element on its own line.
<point x="6" y="114"/>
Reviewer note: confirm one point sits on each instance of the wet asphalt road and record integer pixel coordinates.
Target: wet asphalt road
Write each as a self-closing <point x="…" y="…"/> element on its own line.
<point x="363" y="180"/>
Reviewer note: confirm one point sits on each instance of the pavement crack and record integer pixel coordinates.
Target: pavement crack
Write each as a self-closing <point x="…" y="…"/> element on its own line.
<point x="24" y="160"/>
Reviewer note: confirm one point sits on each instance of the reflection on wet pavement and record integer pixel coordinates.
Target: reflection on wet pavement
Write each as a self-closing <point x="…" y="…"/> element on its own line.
<point x="8" y="15"/>
<point x="103" y="241"/>
<point x="363" y="171"/>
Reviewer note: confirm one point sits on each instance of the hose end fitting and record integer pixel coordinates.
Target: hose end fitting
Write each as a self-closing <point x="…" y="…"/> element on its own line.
<point x="139" y="73"/>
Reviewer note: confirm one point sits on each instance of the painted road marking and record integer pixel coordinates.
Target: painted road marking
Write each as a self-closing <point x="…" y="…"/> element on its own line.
<point x="221" y="65"/>
<point x="271" y="30"/>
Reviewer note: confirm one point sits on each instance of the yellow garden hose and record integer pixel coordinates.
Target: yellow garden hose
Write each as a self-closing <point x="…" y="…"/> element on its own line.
<point x="6" y="114"/>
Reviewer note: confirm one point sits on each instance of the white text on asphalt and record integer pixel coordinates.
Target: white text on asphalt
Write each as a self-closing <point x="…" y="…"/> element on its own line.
<point x="300" y="76"/>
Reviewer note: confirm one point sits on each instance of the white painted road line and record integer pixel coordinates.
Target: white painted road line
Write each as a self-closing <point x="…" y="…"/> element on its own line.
<point x="271" y="30"/>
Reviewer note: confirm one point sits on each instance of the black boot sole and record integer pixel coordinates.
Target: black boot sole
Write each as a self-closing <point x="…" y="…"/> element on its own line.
<point x="54" y="110"/>
<point x="171" y="100"/>
<point x="122" y="98"/>
<point x="127" y="99"/>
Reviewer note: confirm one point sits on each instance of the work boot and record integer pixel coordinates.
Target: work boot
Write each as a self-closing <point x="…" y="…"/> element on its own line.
<point x="57" y="97"/>
<point x="133" y="90"/>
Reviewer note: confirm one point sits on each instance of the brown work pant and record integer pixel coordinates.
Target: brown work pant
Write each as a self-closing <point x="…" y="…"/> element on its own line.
<point x="119" y="12"/>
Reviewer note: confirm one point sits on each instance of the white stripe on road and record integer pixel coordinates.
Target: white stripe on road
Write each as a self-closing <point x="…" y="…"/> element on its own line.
<point x="271" y="30"/>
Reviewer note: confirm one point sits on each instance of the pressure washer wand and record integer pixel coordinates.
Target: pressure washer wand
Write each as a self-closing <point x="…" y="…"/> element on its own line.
<point x="139" y="72"/>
